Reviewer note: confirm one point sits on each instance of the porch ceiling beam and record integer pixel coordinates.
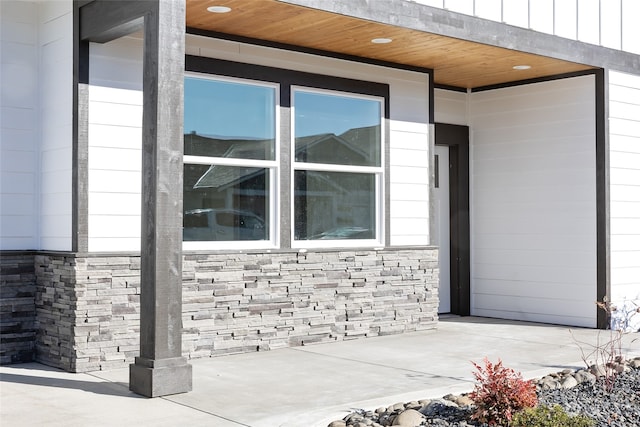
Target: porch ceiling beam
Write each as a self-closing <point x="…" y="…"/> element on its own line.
<point x="104" y="20"/>
<point x="434" y="20"/>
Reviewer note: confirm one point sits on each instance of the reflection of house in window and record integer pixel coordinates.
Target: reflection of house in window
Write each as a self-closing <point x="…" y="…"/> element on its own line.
<point x="233" y="148"/>
<point x="336" y="205"/>
<point x="356" y="147"/>
<point x="327" y="204"/>
<point x="242" y="189"/>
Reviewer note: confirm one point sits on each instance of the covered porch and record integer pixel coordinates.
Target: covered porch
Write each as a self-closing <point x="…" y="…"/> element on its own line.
<point x="310" y="386"/>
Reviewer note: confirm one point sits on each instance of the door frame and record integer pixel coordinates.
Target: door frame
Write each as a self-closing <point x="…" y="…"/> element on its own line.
<point x="456" y="137"/>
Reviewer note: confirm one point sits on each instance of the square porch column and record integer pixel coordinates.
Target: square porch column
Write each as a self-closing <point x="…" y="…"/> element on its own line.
<point x="160" y="369"/>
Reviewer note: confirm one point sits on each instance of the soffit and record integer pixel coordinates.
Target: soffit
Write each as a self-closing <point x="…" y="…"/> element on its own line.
<point x="455" y="62"/>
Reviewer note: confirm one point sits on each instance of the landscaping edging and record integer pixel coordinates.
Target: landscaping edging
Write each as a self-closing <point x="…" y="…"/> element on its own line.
<point x="455" y="410"/>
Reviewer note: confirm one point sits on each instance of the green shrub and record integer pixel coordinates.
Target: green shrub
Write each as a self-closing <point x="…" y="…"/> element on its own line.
<point x="555" y="416"/>
<point x="499" y="393"/>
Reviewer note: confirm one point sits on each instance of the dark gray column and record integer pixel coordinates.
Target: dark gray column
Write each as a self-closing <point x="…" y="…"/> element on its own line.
<point x="161" y="369"/>
<point x="80" y="171"/>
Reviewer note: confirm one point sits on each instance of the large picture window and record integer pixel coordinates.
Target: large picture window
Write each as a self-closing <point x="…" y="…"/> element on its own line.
<point x="337" y="168"/>
<point x="230" y="163"/>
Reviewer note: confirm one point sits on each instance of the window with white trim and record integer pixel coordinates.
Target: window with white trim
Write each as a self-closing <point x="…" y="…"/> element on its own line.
<point x="337" y="168"/>
<point x="230" y="163"/>
<point x="252" y="181"/>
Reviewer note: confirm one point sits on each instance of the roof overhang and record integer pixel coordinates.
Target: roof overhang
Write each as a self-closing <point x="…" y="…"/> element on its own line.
<point x="455" y="62"/>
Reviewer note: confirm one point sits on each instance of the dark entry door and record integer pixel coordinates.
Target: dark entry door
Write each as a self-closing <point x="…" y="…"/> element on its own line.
<point x="456" y="138"/>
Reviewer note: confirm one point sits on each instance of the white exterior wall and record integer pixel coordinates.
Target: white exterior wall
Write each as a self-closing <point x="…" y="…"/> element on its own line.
<point x="609" y="23"/>
<point x="19" y="145"/>
<point x="451" y="107"/>
<point x="115" y="145"/>
<point x="56" y="101"/>
<point x="624" y="146"/>
<point x="114" y="135"/>
<point x="36" y="121"/>
<point x="533" y="202"/>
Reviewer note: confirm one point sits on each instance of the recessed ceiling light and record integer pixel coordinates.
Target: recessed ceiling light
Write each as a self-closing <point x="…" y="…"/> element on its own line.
<point x="381" y="40"/>
<point x="219" y="9"/>
<point x="521" y="67"/>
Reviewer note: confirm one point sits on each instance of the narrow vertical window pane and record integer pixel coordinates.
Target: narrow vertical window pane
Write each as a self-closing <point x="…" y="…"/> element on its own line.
<point x="337" y="130"/>
<point x="229" y="119"/>
<point x="334" y="205"/>
<point x="225" y="203"/>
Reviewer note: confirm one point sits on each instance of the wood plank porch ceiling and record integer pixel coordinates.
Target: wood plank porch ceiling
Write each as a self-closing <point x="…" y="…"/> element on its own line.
<point x="455" y="62"/>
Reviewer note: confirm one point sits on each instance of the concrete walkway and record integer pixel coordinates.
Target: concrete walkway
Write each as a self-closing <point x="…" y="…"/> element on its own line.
<point x="303" y="386"/>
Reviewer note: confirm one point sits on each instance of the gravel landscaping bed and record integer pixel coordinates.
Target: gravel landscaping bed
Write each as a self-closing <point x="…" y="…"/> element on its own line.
<point x="578" y="392"/>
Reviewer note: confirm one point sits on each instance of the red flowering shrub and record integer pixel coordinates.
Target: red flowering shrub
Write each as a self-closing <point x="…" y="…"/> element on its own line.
<point x="499" y="393"/>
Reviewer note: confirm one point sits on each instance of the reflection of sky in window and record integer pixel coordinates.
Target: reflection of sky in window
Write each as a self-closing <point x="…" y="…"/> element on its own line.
<point x="321" y="113"/>
<point x="228" y="110"/>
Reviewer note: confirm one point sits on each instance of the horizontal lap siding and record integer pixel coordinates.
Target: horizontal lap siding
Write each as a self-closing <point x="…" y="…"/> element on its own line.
<point x="36" y="130"/>
<point x="451" y="107"/>
<point x="624" y="145"/>
<point x="115" y="145"/>
<point x="533" y="202"/>
<point x="18" y="129"/>
<point x="115" y="135"/>
<point x="409" y="179"/>
<point x="56" y="105"/>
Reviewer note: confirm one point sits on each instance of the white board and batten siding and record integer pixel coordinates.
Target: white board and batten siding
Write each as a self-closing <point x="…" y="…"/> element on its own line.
<point x="115" y="133"/>
<point x="610" y="23"/>
<point x="533" y="202"/>
<point x="624" y="160"/>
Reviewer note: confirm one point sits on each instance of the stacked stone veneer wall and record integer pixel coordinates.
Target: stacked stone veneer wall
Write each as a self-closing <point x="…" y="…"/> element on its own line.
<point x="17" y="308"/>
<point x="88" y="306"/>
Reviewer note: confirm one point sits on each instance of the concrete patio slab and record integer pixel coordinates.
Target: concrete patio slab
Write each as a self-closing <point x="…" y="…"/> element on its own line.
<point x="302" y="386"/>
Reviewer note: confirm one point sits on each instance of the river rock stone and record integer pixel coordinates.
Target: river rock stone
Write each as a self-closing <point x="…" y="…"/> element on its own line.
<point x="569" y="382"/>
<point x="549" y="383"/>
<point x="397" y="407"/>
<point x="436" y="406"/>
<point x="598" y="370"/>
<point x="584" y="376"/>
<point x="409" y="418"/>
<point x="460" y="400"/>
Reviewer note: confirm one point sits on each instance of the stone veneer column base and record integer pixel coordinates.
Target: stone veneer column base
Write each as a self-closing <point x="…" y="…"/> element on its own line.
<point x="155" y="378"/>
